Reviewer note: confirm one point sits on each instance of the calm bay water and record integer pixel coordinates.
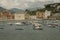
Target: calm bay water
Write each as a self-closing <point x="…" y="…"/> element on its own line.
<point x="9" y="32"/>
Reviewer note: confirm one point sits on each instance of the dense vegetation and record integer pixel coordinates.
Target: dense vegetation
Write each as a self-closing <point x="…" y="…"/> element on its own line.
<point x="33" y="12"/>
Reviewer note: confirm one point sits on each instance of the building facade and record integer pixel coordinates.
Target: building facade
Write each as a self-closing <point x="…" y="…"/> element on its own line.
<point x="6" y="15"/>
<point x="40" y="14"/>
<point x="19" y="16"/>
<point x="47" y="14"/>
<point x="33" y="17"/>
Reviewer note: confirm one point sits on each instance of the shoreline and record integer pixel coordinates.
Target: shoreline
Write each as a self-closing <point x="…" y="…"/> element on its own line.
<point x="28" y="20"/>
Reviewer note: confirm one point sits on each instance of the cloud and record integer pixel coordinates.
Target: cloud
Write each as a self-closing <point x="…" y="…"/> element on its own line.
<point x="23" y="4"/>
<point x="57" y="1"/>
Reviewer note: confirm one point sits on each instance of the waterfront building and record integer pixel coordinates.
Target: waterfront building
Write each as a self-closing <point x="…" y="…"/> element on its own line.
<point x="33" y="17"/>
<point x="19" y="16"/>
<point x="6" y="15"/>
<point x="40" y="14"/>
<point x="47" y="14"/>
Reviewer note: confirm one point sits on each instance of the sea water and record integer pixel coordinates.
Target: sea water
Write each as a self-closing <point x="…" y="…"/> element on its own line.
<point x="9" y="32"/>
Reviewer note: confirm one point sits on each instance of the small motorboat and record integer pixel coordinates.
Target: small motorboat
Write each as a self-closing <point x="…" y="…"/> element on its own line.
<point x="18" y="23"/>
<point x="26" y="23"/>
<point x="56" y="24"/>
<point x="52" y="25"/>
<point x="15" y="23"/>
<point x="37" y="26"/>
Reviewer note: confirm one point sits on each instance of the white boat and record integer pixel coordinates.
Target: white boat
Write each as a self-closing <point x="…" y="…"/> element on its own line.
<point x="37" y="26"/>
<point x="53" y="25"/>
<point x="18" y="23"/>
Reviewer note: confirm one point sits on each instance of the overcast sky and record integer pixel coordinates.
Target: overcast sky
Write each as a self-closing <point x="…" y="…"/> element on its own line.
<point x="23" y="4"/>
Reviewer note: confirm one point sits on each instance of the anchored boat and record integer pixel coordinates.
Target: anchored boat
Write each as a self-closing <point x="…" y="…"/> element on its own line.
<point x="37" y="26"/>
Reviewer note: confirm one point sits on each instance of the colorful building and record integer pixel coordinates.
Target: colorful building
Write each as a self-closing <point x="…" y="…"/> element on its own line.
<point x="6" y="15"/>
<point x="40" y="14"/>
